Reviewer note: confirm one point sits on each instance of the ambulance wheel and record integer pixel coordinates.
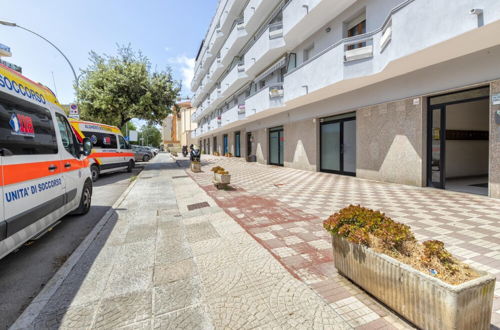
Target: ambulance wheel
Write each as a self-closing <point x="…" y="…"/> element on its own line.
<point x="131" y="165"/>
<point x="145" y="158"/>
<point x="94" y="170"/>
<point x="86" y="199"/>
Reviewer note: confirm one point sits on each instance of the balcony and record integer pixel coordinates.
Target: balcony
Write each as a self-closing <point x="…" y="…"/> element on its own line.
<point x="230" y="116"/>
<point x="267" y="98"/>
<point x="233" y="81"/>
<point x="267" y="48"/>
<point x="388" y="52"/>
<point x="255" y="13"/>
<point x="234" y="42"/>
<point x="302" y="18"/>
<point x="216" y="69"/>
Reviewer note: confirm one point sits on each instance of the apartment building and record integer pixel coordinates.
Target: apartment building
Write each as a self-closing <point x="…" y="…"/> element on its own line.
<point x="403" y="91"/>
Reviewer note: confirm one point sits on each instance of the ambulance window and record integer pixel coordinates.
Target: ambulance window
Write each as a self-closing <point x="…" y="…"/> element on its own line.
<point x="123" y="143"/>
<point x="67" y="136"/>
<point x="102" y="140"/>
<point x="26" y="129"/>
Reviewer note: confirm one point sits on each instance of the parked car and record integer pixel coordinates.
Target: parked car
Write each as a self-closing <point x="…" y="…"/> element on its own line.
<point x="142" y="154"/>
<point x="153" y="150"/>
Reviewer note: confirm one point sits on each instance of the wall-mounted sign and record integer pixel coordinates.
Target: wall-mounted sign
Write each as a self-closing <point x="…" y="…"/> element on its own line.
<point x="495" y="99"/>
<point x="416" y="101"/>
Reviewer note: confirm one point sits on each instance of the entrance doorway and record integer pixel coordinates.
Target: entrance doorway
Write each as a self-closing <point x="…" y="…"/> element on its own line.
<point x="215" y="147"/>
<point x="276" y="147"/>
<point x="225" y="146"/>
<point x="458" y="141"/>
<point x="249" y="144"/>
<point x="338" y="145"/>
<point x="237" y="144"/>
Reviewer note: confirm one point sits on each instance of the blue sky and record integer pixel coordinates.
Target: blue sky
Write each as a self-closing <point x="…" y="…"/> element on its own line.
<point x="168" y="32"/>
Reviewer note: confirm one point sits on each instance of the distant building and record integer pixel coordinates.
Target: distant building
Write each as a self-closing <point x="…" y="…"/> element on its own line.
<point x="177" y="127"/>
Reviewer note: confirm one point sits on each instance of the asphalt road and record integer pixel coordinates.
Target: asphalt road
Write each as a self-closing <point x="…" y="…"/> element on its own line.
<point x="24" y="273"/>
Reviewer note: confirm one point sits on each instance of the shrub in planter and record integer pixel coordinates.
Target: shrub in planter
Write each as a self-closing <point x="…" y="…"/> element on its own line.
<point x="228" y="154"/>
<point x="421" y="281"/>
<point x="216" y="153"/>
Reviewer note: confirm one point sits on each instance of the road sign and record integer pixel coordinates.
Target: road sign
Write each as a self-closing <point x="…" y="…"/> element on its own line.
<point x="73" y="111"/>
<point x="133" y="136"/>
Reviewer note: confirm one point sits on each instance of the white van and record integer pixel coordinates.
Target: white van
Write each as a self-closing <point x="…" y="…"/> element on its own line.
<point x="110" y="151"/>
<point x="44" y="170"/>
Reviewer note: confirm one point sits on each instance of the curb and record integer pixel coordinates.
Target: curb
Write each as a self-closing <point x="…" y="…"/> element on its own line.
<point x="36" y="306"/>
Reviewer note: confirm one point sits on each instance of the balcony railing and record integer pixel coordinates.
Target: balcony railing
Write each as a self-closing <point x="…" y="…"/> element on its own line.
<point x="233" y="80"/>
<point x="267" y="98"/>
<point x="371" y="53"/>
<point x="267" y="47"/>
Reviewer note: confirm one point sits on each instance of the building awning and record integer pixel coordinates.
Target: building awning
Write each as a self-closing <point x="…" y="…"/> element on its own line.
<point x="276" y="66"/>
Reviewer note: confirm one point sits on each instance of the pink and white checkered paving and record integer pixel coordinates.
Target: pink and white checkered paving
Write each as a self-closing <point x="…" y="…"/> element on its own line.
<point x="283" y="209"/>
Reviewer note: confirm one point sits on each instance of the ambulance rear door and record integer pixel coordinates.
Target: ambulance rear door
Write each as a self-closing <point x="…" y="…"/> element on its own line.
<point x="33" y="186"/>
<point x="105" y="149"/>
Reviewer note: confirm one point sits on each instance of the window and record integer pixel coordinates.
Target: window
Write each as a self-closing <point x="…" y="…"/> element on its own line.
<point x="357" y="27"/>
<point x="102" y="140"/>
<point x="308" y="53"/>
<point x="67" y="137"/>
<point x="26" y="129"/>
<point x="123" y="143"/>
<point x="292" y="62"/>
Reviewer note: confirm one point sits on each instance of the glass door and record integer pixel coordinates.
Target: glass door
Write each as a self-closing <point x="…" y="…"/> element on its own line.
<point x="224" y="143"/>
<point x="338" y="146"/>
<point x="249" y="144"/>
<point x="276" y="146"/>
<point x="237" y="148"/>
<point x="436" y="146"/>
<point x="330" y="147"/>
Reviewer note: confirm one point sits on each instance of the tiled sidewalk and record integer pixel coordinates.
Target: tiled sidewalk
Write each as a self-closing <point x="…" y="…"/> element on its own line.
<point x="161" y="263"/>
<point x="284" y="208"/>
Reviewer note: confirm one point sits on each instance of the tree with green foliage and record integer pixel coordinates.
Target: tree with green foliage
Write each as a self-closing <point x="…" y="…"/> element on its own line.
<point x="115" y="89"/>
<point x="150" y="135"/>
<point x="129" y="126"/>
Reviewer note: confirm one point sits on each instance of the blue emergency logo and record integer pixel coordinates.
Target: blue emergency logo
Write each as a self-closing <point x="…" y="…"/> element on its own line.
<point x="14" y="123"/>
<point x="93" y="139"/>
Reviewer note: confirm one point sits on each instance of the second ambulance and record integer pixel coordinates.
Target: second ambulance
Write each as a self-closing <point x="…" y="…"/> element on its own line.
<point x="110" y="151"/>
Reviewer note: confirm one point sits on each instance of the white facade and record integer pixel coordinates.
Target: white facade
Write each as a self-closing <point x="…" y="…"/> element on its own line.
<point x="268" y="65"/>
<point x="401" y="37"/>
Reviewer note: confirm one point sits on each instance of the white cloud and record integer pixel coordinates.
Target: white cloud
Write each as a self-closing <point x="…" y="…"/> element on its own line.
<point x="186" y="68"/>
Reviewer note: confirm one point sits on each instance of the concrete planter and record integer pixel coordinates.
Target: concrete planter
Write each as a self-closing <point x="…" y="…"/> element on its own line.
<point x="195" y="167"/>
<point x="222" y="178"/>
<point x="426" y="301"/>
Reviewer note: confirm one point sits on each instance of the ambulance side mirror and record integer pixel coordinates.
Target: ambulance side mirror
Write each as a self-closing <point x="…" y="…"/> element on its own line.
<point x="87" y="146"/>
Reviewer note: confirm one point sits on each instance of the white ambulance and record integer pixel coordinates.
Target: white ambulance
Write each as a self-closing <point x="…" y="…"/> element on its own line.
<point x="44" y="172"/>
<point x="110" y="151"/>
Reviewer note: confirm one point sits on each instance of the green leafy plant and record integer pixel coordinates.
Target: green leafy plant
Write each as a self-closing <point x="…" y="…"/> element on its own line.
<point x="360" y="225"/>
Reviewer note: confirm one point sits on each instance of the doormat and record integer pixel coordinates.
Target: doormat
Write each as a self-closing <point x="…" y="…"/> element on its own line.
<point x="480" y="185"/>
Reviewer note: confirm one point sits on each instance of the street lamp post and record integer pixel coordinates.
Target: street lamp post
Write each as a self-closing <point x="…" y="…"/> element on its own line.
<point x="67" y="60"/>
